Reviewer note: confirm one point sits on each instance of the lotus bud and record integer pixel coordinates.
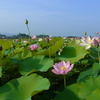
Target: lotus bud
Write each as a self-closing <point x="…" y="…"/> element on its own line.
<point x="85" y="33"/>
<point x="99" y="41"/>
<point x="26" y="22"/>
<point x="47" y="39"/>
<point x="1" y="48"/>
<point x="97" y="33"/>
<point x="96" y="43"/>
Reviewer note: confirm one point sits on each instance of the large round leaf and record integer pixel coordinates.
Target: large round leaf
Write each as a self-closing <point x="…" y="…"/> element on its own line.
<point x="23" y="88"/>
<point x="74" y="42"/>
<point x="93" y="71"/>
<point x="35" y="63"/>
<point x="88" y="89"/>
<point x="51" y="51"/>
<point x="7" y="45"/>
<point x="1" y="41"/>
<point x="95" y="95"/>
<point x="72" y="53"/>
<point x="66" y="95"/>
<point x="20" y="56"/>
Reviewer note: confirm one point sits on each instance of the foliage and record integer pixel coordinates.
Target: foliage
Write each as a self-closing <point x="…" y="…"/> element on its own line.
<point x="27" y="74"/>
<point x="23" y="88"/>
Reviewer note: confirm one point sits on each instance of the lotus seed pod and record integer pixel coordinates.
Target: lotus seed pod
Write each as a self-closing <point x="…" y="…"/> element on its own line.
<point x="1" y="48"/>
<point x="26" y="22"/>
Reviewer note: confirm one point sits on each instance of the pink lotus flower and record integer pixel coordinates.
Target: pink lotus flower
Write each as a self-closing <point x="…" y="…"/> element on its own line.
<point x="3" y="37"/>
<point x="99" y="41"/>
<point x="96" y="32"/>
<point x="16" y="40"/>
<point x="47" y="39"/>
<point x="33" y="47"/>
<point x="97" y="38"/>
<point x="96" y="43"/>
<point x="62" y="68"/>
<point x="34" y="37"/>
<point x="88" y="42"/>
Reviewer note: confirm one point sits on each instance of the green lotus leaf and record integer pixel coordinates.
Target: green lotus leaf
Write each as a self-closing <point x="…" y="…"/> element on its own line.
<point x="20" y="56"/>
<point x="24" y="87"/>
<point x="74" y="42"/>
<point x="6" y="45"/>
<point x="43" y="43"/>
<point x="1" y="41"/>
<point x="89" y="88"/>
<point x="94" y="53"/>
<point x="93" y="71"/>
<point x="51" y="51"/>
<point x="72" y="53"/>
<point x="47" y="95"/>
<point x="4" y="61"/>
<point x="84" y="74"/>
<point x="54" y="40"/>
<point x="35" y="63"/>
<point x="34" y="53"/>
<point x="67" y="94"/>
<point x="95" y="95"/>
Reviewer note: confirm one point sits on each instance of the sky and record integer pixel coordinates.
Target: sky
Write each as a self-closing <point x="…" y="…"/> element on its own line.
<point x="50" y="17"/>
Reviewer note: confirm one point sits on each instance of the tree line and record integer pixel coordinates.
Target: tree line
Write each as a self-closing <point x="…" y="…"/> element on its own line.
<point x="20" y="35"/>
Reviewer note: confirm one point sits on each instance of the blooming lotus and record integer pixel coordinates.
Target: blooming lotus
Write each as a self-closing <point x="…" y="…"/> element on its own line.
<point x="39" y="39"/>
<point x="16" y="40"/>
<point x="33" y="47"/>
<point x="34" y="37"/>
<point x="64" y="38"/>
<point x="50" y="36"/>
<point x="24" y="41"/>
<point x="88" y="42"/>
<point x="62" y="68"/>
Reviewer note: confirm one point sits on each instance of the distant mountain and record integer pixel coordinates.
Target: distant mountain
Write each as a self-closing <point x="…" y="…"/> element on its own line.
<point x="8" y="34"/>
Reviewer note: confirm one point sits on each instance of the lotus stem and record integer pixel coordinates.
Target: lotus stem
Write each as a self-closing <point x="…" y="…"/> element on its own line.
<point x="99" y="57"/>
<point x="1" y="60"/>
<point x="26" y="22"/>
<point x="28" y="30"/>
<point x="64" y="81"/>
<point x="49" y="53"/>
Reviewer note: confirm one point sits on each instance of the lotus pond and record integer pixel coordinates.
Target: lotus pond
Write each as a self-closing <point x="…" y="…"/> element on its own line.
<point x="52" y="68"/>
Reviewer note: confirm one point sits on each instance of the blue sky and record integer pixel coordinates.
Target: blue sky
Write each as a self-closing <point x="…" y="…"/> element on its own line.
<point x="50" y="17"/>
